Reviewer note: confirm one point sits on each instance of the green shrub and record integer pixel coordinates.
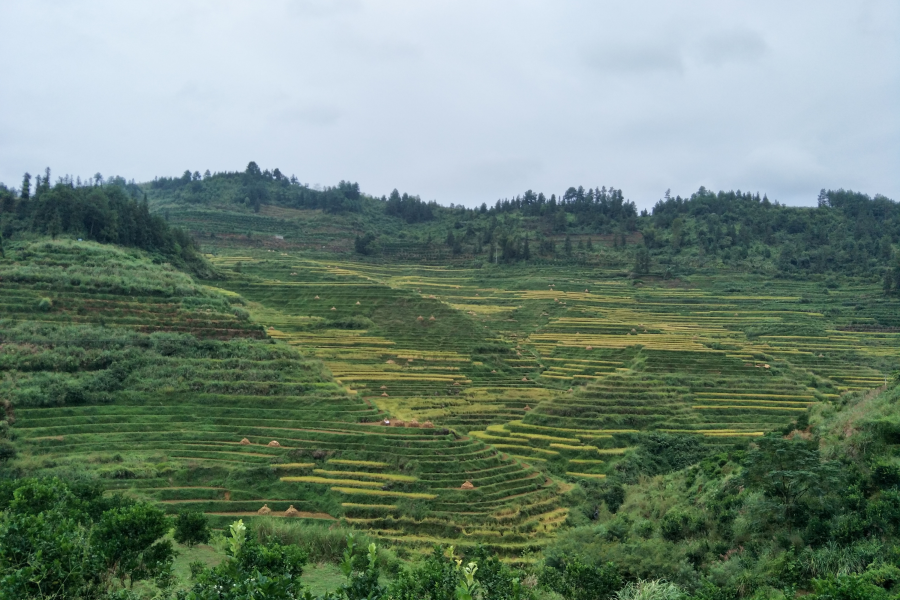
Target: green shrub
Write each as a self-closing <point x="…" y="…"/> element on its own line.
<point x="255" y="570"/>
<point x="575" y="579"/>
<point x="45" y="304"/>
<point x="7" y="451"/>
<point x="192" y="528"/>
<point x="847" y="587"/>
<point x="650" y="590"/>
<point x="678" y="524"/>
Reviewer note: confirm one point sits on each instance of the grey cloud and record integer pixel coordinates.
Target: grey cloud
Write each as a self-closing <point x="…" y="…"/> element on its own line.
<point x="321" y="8"/>
<point x="785" y="166"/>
<point x="461" y="101"/>
<point x="321" y="114"/>
<point x="630" y="57"/>
<point x="736" y="45"/>
<point x="492" y="177"/>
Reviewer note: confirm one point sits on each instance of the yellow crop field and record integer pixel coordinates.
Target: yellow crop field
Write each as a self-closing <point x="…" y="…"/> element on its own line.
<point x="383" y="493"/>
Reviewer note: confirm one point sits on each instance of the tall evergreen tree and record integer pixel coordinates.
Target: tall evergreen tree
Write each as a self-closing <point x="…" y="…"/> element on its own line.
<point x="26" y="186"/>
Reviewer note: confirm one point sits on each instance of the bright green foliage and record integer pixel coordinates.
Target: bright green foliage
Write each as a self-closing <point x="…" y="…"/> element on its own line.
<point x="362" y="573"/>
<point x="237" y="538"/>
<point x="468" y="587"/>
<point x="269" y="571"/>
<point x="497" y="580"/>
<point x="191" y="528"/>
<point x="650" y="590"/>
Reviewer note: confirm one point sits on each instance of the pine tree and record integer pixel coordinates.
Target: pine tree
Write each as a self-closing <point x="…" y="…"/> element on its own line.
<point x="26" y="186"/>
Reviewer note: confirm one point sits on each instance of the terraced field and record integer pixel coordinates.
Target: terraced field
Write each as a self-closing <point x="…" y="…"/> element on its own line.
<point x="225" y="422"/>
<point x="580" y="363"/>
<point x="423" y="403"/>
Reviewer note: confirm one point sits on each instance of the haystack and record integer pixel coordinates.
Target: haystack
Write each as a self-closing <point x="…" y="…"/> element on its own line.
<point x="420" y="318"/>
<point x="384" y="387"/>
<point x="524" y="379"/>
<point x="527" y="407"/>
<point x="428" y="425"/>
<point x="291" y="511"/>
<point x="357" y="302"/>
<point x="431" y="318"/>
<point x="245" y="442"/>
<point x="399" y="423"/>
<point x="413" y="423"/>
<point x="588" y="347"/>
<point x="333" y="308"/>
<point x="385" y="394"/>
<point x="317" y="297"/>
<point x="765" y="366"/>
<point x="274" y="443"/>
<point x="493" y="370"/>
<point x="390" y="361"/>
<point x="467" y="486"/>
<point x="265" y="510"/>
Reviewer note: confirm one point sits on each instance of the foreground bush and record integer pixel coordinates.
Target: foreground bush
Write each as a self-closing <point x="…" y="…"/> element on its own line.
<point x="62" y="541"/>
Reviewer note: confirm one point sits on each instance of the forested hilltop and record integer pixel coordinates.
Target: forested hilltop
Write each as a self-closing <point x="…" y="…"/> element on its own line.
<point x="847" y="232"/>
<point x="111" y="211"/>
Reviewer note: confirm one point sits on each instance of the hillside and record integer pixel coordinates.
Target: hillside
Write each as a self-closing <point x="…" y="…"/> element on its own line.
<point x="120" y="369"/>
<point x="813" y="506"/>
<point x="847" y="233"/>
<point x="615" y="400"/>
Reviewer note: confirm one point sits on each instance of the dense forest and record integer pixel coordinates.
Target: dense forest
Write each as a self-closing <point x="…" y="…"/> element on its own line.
<point x="108" y="211"/>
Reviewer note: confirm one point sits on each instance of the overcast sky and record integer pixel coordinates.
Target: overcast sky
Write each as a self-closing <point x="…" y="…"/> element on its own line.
<point x="460" y="101"/>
